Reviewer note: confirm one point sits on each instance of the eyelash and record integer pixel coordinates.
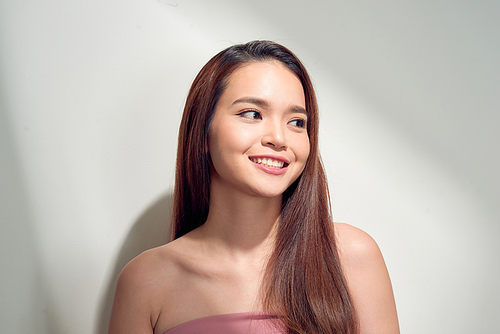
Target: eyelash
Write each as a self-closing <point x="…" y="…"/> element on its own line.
<point x="242" y="114"/>
<point x="301" y="122"/>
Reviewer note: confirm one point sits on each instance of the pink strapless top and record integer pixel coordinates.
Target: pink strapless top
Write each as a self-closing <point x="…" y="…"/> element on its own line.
<point x="233" y="323"/>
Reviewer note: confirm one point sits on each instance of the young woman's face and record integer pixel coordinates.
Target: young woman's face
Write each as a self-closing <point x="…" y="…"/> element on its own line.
<point x="258" y="139"/>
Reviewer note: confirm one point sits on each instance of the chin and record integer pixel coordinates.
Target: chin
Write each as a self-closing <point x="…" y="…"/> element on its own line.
<point x="266" y="193"/>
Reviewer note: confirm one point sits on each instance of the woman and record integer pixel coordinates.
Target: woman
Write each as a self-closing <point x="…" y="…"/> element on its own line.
<point x="255" y="250"/>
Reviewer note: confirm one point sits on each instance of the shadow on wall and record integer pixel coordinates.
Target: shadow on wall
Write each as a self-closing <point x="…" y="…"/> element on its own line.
<point x="151" y="229"/>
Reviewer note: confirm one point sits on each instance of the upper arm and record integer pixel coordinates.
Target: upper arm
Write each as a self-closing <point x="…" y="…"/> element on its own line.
<point x="132" y="304"/>
<point x="368" y="281"/>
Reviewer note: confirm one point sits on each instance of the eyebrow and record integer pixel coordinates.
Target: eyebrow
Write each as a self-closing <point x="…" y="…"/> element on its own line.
<point x="264" y="104"/>
<point x="253" y="100"/>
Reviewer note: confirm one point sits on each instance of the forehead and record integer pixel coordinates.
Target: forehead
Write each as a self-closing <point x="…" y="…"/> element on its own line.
<point x="265" y="80"/>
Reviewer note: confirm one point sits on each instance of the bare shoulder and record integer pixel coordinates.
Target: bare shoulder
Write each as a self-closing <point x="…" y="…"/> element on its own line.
<point x="355" y="246"/>
<point x="141" y="290"/>
<point x="147" y="269"/>
<point x="368" y="280"/>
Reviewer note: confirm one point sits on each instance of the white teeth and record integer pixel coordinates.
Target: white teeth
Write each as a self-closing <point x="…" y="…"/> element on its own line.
<point x="268" y="162"/>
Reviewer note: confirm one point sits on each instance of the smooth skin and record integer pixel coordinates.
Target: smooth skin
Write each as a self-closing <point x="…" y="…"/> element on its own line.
<point x="218" y="267"/>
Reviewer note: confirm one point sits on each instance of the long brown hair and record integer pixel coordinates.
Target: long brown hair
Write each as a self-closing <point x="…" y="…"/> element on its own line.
<point x="303" y="283"/>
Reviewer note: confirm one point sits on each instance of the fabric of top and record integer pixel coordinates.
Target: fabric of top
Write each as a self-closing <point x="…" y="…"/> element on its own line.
<point x="234" y="323"/>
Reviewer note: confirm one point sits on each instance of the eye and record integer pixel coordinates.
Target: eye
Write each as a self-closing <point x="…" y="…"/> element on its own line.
<point x="251" y="114"/>
<point x="299" y="122"/>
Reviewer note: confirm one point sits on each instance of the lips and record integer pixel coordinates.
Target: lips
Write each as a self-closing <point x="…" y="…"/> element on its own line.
<point x="269" y="162"/>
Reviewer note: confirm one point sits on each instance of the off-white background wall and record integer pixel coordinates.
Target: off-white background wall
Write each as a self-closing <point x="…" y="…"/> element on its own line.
<point x="91" y="95"/>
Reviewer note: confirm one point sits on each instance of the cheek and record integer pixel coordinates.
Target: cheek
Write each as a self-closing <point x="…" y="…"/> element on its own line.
<point x="303" y="149"/>
<point x="226" y="144"/>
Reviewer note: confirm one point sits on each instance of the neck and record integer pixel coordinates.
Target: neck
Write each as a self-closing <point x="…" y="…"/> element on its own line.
<point x="240" y="223"/>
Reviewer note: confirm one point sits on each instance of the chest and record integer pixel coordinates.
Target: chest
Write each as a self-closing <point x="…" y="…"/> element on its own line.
<point x="207" y="291"/>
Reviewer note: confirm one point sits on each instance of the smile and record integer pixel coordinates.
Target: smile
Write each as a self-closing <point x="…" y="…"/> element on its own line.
<point x="268" y="162"/>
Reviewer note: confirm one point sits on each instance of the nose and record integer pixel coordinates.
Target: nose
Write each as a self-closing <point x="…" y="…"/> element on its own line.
<point x="274" y="136"/>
